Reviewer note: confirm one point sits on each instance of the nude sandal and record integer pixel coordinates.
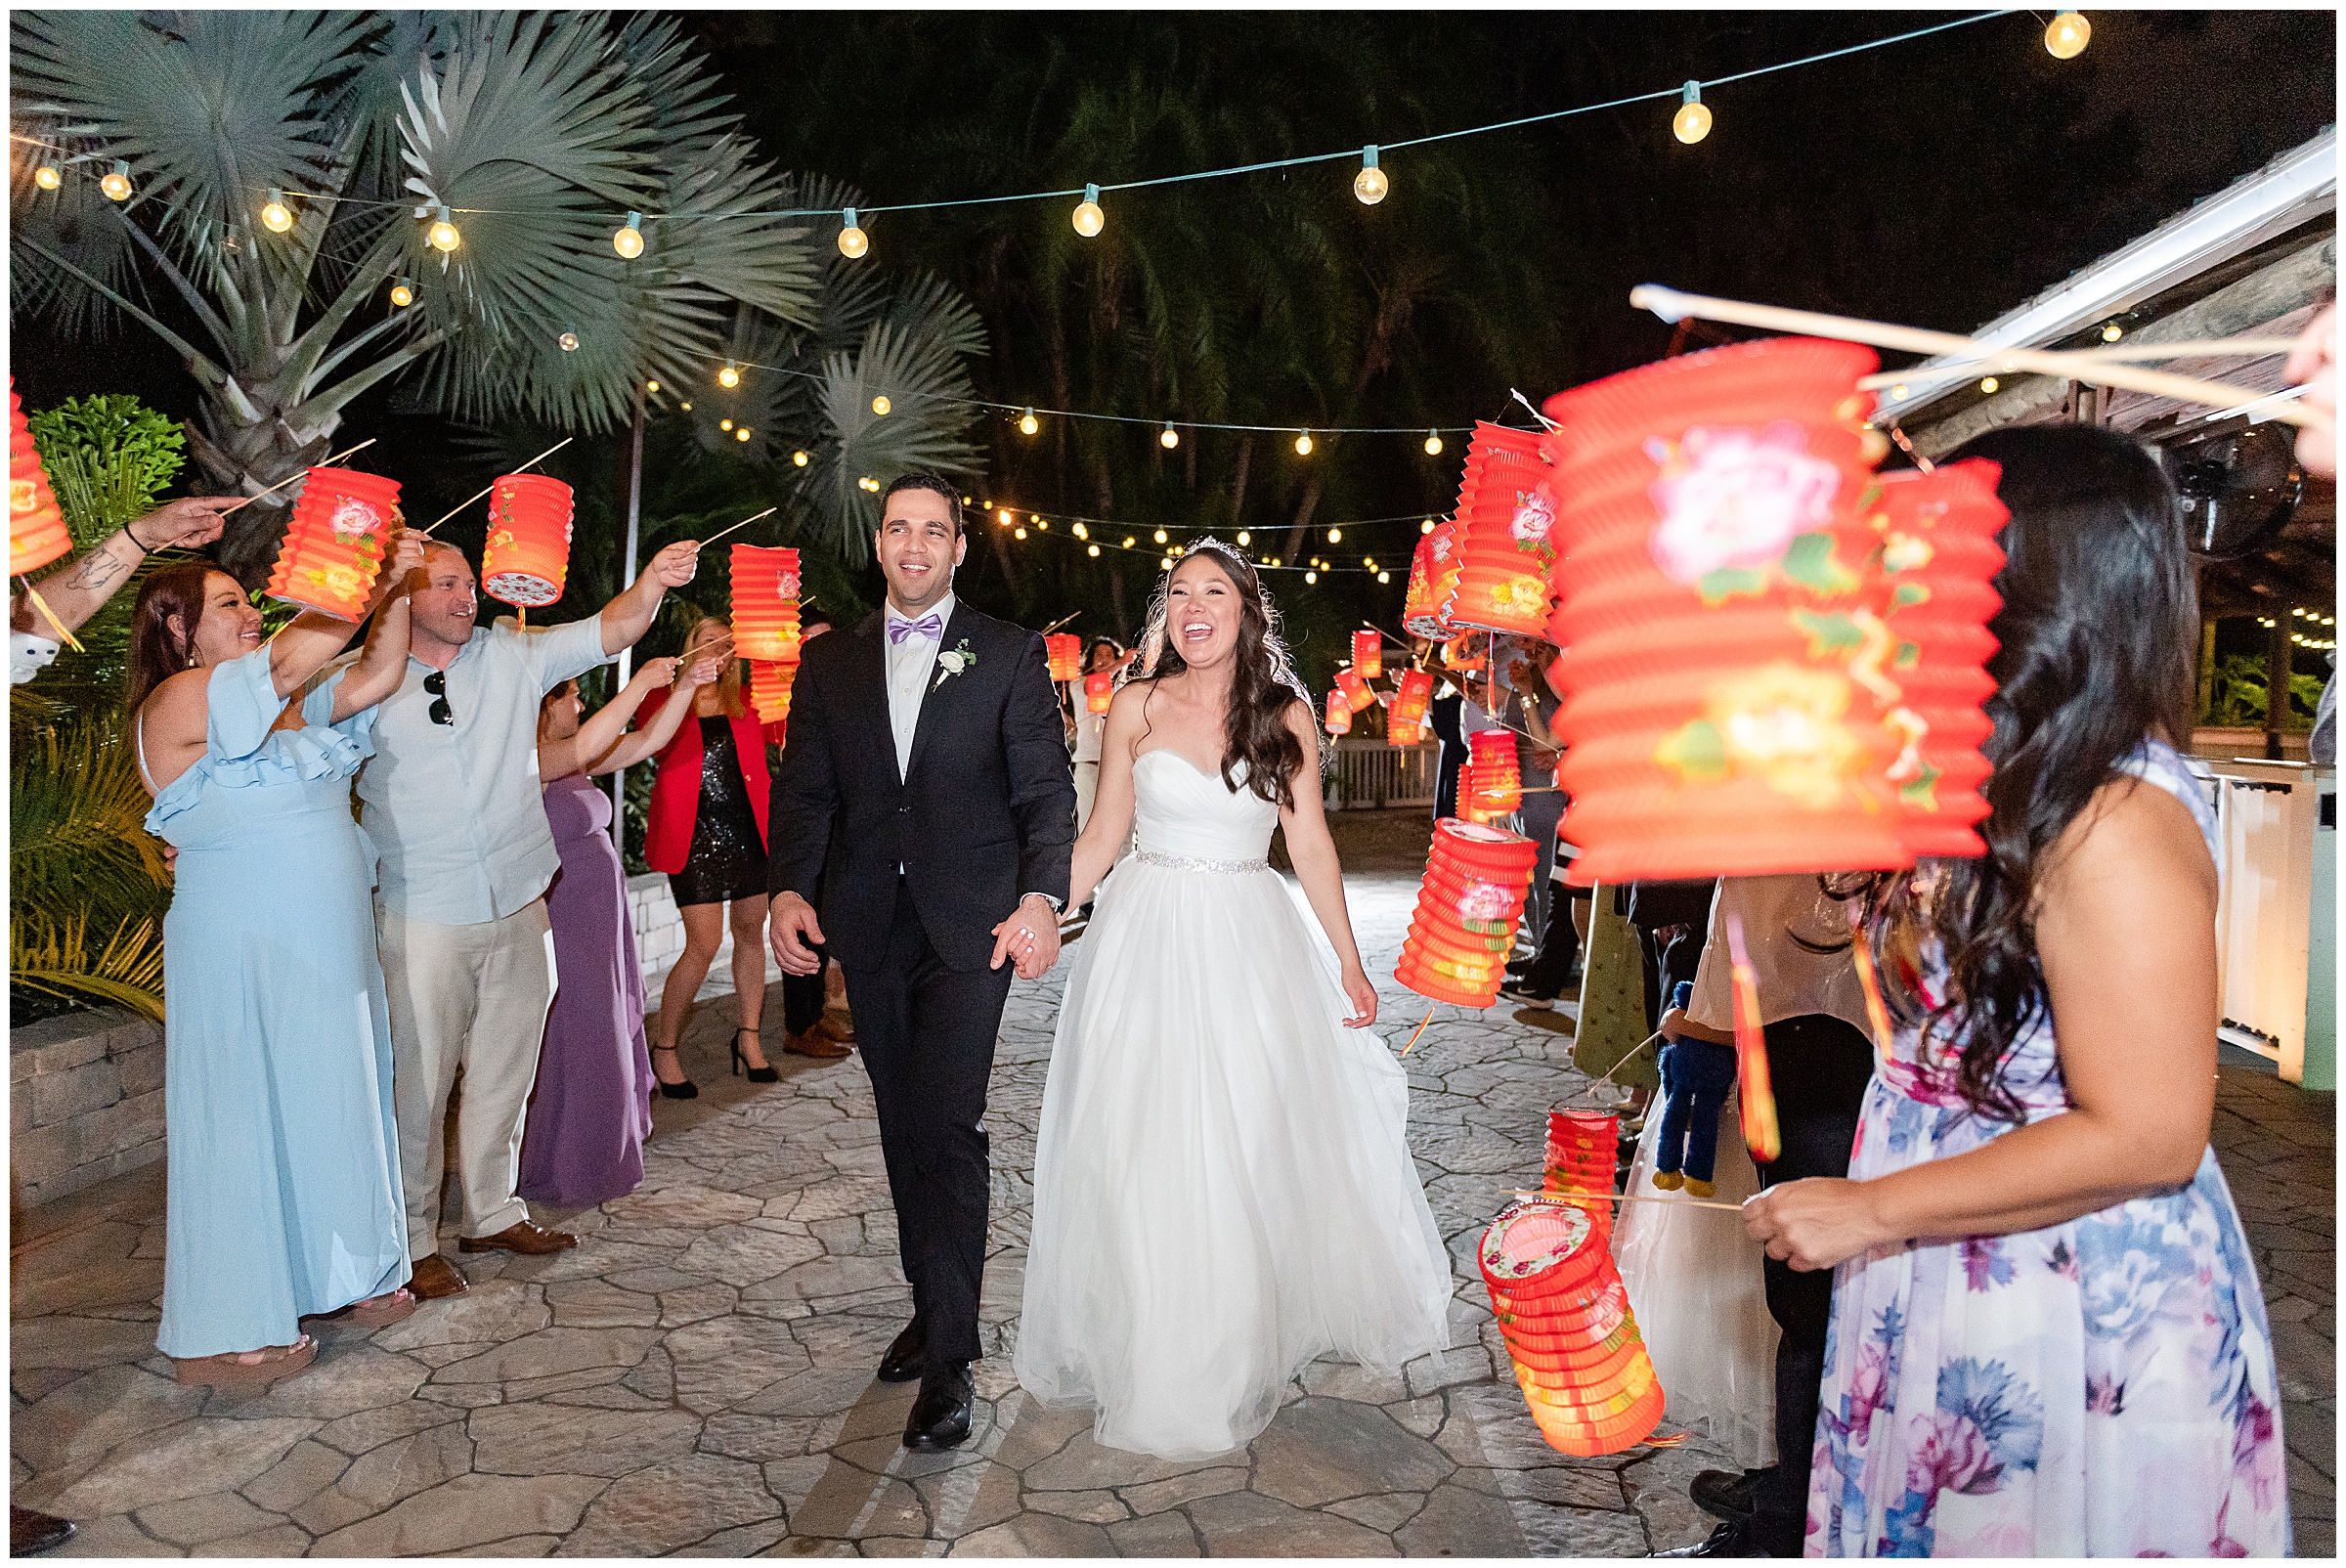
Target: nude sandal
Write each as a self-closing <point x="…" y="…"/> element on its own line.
<point x="375" y="1311"/>
<point x="231" y="1372"/>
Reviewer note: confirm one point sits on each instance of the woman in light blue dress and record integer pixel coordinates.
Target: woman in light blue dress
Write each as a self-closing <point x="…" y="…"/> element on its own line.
<point x="283" y="1158"/>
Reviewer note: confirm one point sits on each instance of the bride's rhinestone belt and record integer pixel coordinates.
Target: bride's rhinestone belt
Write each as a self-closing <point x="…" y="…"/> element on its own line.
<point x="1189" y="862"/>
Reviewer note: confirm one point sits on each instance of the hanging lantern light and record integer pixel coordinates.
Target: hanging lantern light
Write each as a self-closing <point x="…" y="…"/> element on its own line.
<point x="116" y="183"/>
<point x="1468" y="902"/>
<point x="1303" y="446"/>
<point x="1433" y="443"/>
<point x="1356" y="694"/>
<point x="1412" y="696"/>
<point x="1368" y="653"/>
<point x="442" y="236"/>
<point x="628" y="240"/>
<point x="1692" y="122"/>
<point x="1099" y="688"/>
<point x="1028" y="424"/>
<point x="852" y="241"/>
<point x="1168" y="438"/>
<point x="1370" y="184"/>
<point x="1493" y="785"/>
<point x="1505" y="525"/>
<point x="1064" y="651"/>
<point x="36" y="526"/>
<point x="1565" y="1315"/>
<point x="527" y="559"/>
<point x="333" y="548"/>
<point x="765" y="603"/>
<point x="1339" y="713"/>
<point x="1089" y="220"/>
<point x="1422" y="608"/>
<point x="276" y="216"/>
<point x="1583" y="1147"/>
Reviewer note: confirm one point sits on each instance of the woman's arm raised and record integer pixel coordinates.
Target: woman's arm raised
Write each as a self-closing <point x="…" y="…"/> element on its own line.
<point x="686" y="679"/>
<point x="1314" y="854"/>
<point x="383" y="663"/>
<point x="312" y="639"/>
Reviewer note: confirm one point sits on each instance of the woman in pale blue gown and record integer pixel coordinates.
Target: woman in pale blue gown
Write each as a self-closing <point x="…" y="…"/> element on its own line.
<point x="283" y="1158"/>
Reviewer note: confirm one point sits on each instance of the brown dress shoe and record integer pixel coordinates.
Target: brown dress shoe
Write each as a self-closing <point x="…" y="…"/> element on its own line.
<point x="520" y="1237"/>
<point x="435" y="1278"/>
<point x="840" y="1024"/>
<point x="814" y="1043"/>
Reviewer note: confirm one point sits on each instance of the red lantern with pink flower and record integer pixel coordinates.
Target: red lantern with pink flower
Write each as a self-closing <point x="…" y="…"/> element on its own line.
<point x="36" y="527"/>
<point x="1507" y="520"/>
<point x="527" y="559"/>
<point x="765" y="603"/>
<point x="1412" y="696"/>
<point x="1468" y="902"/>
<point x="1564" y="1316"/>
<point x="1339" y="713"/>
<point x="1099" y="691"/>
<point x="1357" y="692"/>
<point x="1064" y="651"/>
<point x="335" y="541"/>
<point x="1492" y="786"/>
<point x="1368" y="654"/>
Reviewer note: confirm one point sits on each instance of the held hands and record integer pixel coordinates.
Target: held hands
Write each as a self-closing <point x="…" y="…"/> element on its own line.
<point x="675" y="565"/>
<point x="1029" y="938"/>
<point x="1361" y="995"/>
<point x="182" y="524"/>
<point x="1816" y="1224"/>
<point x="791" y="925"/>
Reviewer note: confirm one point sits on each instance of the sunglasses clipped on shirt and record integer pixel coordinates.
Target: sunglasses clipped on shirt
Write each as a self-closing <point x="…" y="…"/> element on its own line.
<point x="436" y="685"/>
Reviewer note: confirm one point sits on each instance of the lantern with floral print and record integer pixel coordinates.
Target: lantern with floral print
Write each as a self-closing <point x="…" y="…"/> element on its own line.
<point x="335" y="541"/>
<point x="765" y="603"/>
<point x="1719" y="720"/>
<point x="1357" y="692"/>
<point x="770" y="682"/>
<point x="1064" y="650"/>
<point x="527" y="559"/>
<point x="1368" y="654"/>
<point x="1099" y="691"/>
<point x="1433" y="577"/>
<point x="1507" y="523"/>
<point x="36" y="527"/>
<point x="1565" y="1315"/>
<point x="1339" y="713"/>
<point x="1468" y="902"/>
<point x="1412" y="695"/>
<point x="1583" y="1147"/>
<point x="1492" y="786"/>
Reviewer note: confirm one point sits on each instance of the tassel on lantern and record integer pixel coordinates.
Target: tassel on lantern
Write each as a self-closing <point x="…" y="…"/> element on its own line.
<point x="1494" y="778"/>
<point x="1368" y="654"/>
<point x="1468" y="902"/>
<point x="766" y="604"/>
<point x="333" y="548"/>
<point x="527" y="559"/>
<point x="36" y="526"/>
<point x="1339" y="713"/>
<point x="1754" y="1095"/>
<point x="1565" y="1315"/>
<point x="1506" y="524"/>
<point x="1064" y="652"/>
<point x="1099" y="691"/>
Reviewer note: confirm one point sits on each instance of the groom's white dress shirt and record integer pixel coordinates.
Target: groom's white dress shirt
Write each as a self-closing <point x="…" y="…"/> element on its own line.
<point x="910" y="664"/>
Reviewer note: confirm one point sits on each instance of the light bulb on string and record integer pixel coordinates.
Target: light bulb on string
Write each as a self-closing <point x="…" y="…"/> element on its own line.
<point x="47" y="177"/>
<point x="2066" y="35"/>
<point x="442" y="236"/>
<point x="1081" y="532"/>
<point x="1128" y="544"/>
<point x="1303" y="445"/>
<point x="2112" y="332"/>
<point x="724" y="424"/>
<point x="1335" y="536"/>
<point x="1988" y="384"/>
<point x="1242" y="535"/>
<point x="729" y="376"/>
<point x="276" y="216"/>
<point x="1019" y="533"/>
<point x="569" y="342"/>
<point x="1384" y="577"/>
<point x="880" y="406"/>
<point x="742" y="434"/>
<point x="1310" y="577"/>
<point x="1006" y="517"/>
<point x="685" y="406"/>
<point x="852" y="241"/>
<point x="1028" y="424"/>
<point x="651" y="386"/>
<point x="1692" y="122"/>
<point x="1433" y="443"/>
<point x="799" y="460"/>
<point x="403" y="293"/>
<point x="1160" y="536"/>
<point x="116" y="184"/>
<point x="1169" y="438"/>
<point x="1092" y="549"/>
<point x="1370" y="184"/>
<point x="1165" y="564"/>
<point x="1043" y="524"/>
<point x="1088" y="219"/>
<point x="1426" y="527"/>
<point x="628" y="240"/>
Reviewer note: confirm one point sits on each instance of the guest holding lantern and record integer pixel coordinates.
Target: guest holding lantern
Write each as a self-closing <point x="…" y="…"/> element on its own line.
<point x="2048" y="1338"/>
<point x="592" y="1106"/>
<point x="77" y="590"/>
<point x="453" y="800"/>
<point x="284" y="1150"/>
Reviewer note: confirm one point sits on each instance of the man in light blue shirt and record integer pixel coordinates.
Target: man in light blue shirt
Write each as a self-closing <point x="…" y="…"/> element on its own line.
<point x="453" y="801"/>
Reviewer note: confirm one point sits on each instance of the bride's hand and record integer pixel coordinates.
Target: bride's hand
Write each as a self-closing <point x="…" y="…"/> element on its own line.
<point x="1363" y="997"/>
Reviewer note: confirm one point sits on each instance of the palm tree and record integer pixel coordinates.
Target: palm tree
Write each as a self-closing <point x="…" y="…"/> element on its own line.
<point x="534" y="136"/>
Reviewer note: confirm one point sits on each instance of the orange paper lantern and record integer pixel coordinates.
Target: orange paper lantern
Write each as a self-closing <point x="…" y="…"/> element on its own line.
<point x="1368" y="654"/>
<point x="1064" y="652"/>
<point x="1099" y="691"/>
<point x="1582" y="1149"/>
<point x="1507" y="522"/>
<point x="1412" y="695"/>
<point x="1565" y="1315"/>
<point x="769" y="689"/>
<point x="36" y="527"/>
<point x="1433" y="579"/>
<point x="1339" y="713"/>
<point x="335" y="541"/>
<point x="765" y="603"/>
<point x="1493" y="785"/>
<point x="1357" y="692"/>
<point x="527" y="559"/>
<point x="1468" y="902"/>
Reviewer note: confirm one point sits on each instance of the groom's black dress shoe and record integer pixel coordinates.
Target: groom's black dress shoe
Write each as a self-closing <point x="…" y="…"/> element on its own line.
<point x="906" y="1354"/>
<point x="941" y="1417"/>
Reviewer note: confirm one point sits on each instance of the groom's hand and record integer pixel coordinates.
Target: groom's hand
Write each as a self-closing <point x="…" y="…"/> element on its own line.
<point x="791" y="926"/>
<point x="1029" y="938"/>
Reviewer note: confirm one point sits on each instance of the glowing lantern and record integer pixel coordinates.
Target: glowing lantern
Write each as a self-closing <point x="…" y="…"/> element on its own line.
<point x="528" y="555"/>
<point x="769" y="694"/>
<point x="1412" y="695"/>
<point x="1459" y="654"/>
<point x="1505" y="525"/>
<point x="36" y="528"/>
<point x="1468" y="902"/>
<point x="1720" y="718"/>
<point x="1339" y="713"/>
<point x="1368" y="654"/>
<point x="1065" y="651"/>
<point x="1433" y="579"/>
<point x="1583" y="1147"/>
<point x="1493" y="784"/>
<point x="1099" y="691"/>
<point x="766" y="604"/>
<point x="1356" y="693"/>
<point x="335" y="541"/>
<point x="1562" y="1308"/>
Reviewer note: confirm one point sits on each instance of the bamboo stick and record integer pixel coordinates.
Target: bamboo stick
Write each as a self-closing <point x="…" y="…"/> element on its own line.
<point x="2202" y="348"/>
<point x="289" y="478"/>
<point x="1671" y="306"/>
<point x="744" y="523"/>
<point x="1623" y="1198"/>
<point x="492" y="485"/>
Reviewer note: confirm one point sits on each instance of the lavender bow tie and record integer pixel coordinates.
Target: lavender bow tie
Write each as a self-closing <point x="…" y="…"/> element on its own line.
<point x="927" y="626"/>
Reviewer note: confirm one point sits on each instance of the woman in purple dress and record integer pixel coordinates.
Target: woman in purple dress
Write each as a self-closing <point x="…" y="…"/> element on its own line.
<point x="592" y="1109"/>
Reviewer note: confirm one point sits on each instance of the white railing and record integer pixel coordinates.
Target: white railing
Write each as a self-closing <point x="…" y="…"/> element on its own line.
<point x="1372" y="774"/>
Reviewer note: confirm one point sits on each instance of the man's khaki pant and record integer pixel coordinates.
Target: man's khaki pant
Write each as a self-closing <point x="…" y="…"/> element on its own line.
<point x="474" y="997"/>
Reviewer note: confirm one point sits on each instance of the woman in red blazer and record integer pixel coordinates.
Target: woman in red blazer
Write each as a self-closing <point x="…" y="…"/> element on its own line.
<point x="706" y="828"/>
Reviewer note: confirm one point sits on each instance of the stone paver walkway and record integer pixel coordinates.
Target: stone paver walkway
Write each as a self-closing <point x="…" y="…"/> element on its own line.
<point x="696" y="1377"/>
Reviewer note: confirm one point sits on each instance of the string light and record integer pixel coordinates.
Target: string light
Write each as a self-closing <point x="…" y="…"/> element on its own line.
<point x="116" y="184"/>
<point x="1988" y="384"/>
<point x="1692" y="122"/>
<point x="1028" y="424"/>
<point x="2066" y="35"/>
<point x="1169" y="439"/>
<point x="730" y="376"/>
<point x="569" y="342"/>
<point x="724" y="424"/>
<point x="1160" y="536"/>
<point x="1006" y="517"/>
<point x="628" y="241"/>
<point x="742" y="434"/>
<point x="1310" y="577"/>
<point x="1092" y="551"/>
<point x="799" y="459"/>
<point x="403" y="293"/>
<point x="276" y="216"/>
<point x="1426" y="527"/>
<point x="1303" y="445"/>
<point x="880" y="406"/>
<point x="1335" y="536"/>
<point x="1901" y="392"/>
<point x="2112" y="332"/>
<point x="686" y="407"/>
<point x="442" y="236"/>
<point x="651" y="386"/>
<point x="1370" y="184"/>
<point x="1384" y="577"/>
<point x="1089" y="220"/>
<point x="1081" y="532"/>
<point x="1165" y="564"/>
<point x="1042" y="524"/>
<point x="47" y="177"/>
<point x="1433" y="443"/>
<point x="1129" y="543"/>
<point x="1243" y="537"/>
<point x="1018" y="534"/>
<point x="852" y="241"/>
<point x="870" y="484"/>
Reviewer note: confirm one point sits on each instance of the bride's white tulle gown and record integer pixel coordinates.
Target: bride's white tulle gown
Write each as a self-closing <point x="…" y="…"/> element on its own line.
<point x="1222" y="1190"/>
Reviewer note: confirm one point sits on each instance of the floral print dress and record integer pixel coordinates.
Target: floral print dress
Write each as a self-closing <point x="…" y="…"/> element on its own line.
<point x="2102" y="1387"/>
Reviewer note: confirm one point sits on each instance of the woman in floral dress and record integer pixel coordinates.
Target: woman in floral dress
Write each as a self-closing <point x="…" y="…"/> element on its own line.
<point x="2048" y="1337"/>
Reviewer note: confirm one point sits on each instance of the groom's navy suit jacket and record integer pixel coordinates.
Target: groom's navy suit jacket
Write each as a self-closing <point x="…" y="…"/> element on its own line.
<point x="984" y="813"/>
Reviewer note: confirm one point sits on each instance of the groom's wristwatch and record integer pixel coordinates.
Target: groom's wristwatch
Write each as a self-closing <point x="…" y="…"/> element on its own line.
<point x="1059" y="906"/>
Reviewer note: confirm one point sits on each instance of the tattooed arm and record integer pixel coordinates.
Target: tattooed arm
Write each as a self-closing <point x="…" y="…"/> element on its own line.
<point x="76" y="590"/>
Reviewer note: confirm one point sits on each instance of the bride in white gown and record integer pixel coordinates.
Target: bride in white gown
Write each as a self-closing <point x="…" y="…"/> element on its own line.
<point x="1222" y="1190"/>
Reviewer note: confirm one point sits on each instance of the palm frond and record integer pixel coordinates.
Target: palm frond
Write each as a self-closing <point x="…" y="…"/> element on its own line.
<point x="53" y="957"/>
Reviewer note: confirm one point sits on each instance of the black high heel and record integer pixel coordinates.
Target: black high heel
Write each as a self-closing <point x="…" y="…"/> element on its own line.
<point x="740" y="1063"/>
<point x="686" y="1090"/>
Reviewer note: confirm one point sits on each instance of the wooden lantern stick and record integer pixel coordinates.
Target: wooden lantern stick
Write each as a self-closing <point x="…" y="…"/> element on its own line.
<point x="303" y="472"/>
<point x="1056" y="625"/>
<point x="744" y="523"/>
<point x="42" y="605"/>
<point x="1568" y="1196"/>
<point x="1672" y="305"/>
<point x="492" y="485"/>
<point x="2195" y="349"/>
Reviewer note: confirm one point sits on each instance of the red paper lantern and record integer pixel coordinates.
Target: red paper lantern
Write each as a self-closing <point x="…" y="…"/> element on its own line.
<point x="1718" y="719"/>
<point x="1493" y="785"/>
<point x="1468" y="902"/>
<point x="36" y="527"/>
<point x="770" y="690"/>
<point x="334" y="544"/>
<point x="1356" y="691"/>
<point x="1412" y="695"/>
<point x="1459" y="654"/>
<point x="1099" y="691"/>
<point x="1562" y="1309"/>
<point x="1507" y="520"/>
<point x="1433" y="579"/>
<point x="527" y="559"/>
<point x="1065" y="651"/>
<point x="765" y="603"/>
<point x="1582" y="1149"/>
<point x="1339" y="713"/>
<point x="1368" y="654"/>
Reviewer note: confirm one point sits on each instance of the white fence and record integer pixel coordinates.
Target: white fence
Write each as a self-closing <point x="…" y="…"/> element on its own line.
<point x="1372" y="774"/>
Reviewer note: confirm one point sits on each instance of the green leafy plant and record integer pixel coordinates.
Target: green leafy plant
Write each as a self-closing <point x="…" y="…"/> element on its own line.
<point x="109" y="457"/>
<point x="2237" y="694"/>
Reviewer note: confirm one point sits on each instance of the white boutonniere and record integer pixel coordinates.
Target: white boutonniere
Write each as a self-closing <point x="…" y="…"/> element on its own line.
<point x="952" y="662"/>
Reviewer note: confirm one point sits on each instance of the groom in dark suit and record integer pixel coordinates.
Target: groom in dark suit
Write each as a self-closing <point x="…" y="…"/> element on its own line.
<point x="926" y="791"/>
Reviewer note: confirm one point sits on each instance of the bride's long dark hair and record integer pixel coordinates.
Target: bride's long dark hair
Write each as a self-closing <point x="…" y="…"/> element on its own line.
<point x="2097" y="642"/>
<point x="1263" y="685"/>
